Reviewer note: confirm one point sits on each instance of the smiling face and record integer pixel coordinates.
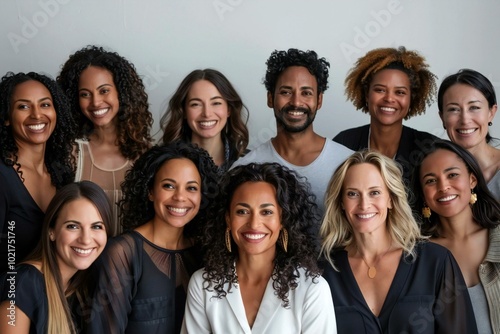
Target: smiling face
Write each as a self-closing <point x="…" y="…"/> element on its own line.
<point x="254" y="218"/>
<point x="98" y="95"/>
<point x="79" y="235"/>
<point x="365" y="199"/>
<point x="33" y="117"/>
<point x="295" y="100"/>
<point x="446" y="183"/>
<point x="176" y="193"/>
<point x="205" y="110"/>
<point x="465" y="115"/>
<point x="389" y="97"/>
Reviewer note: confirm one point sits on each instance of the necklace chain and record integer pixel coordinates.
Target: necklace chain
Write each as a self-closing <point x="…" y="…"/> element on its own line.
<point x="372" y="271"/>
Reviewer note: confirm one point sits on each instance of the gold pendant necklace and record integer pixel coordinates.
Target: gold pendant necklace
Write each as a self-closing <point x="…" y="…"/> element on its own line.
<point x="372" y="271"/>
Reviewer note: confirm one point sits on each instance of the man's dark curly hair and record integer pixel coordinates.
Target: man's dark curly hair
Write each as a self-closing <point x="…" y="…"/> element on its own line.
<point x="280" y="60"/>
<point x="298" y="216"/>
<point x="134" y="118"/>
<point x="486" y="211"/>
<point x="137" y="209"/>
<point x="422" y="81"/>
<point x="59" y="159"/>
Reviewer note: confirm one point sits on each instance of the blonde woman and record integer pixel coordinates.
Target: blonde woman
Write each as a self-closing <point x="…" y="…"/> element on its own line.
<point x="383" y="276"/>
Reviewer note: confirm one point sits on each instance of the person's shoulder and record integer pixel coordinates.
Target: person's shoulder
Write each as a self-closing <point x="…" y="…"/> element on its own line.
<point x="351" y="132"/>
<point x="259" y="154"/>
<point x="338" y="148"/>
<point x="428" y="251"/>
<point x="419" y="134"/>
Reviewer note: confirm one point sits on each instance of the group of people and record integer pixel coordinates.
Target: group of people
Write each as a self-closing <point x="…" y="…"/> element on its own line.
<point x="384" y="229"/>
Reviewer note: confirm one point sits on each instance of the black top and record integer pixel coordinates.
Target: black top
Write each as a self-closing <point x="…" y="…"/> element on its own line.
<point x="28" y="293"/>
<point x="141" y="288"/>
<point x="20" y="219"/>
<point x="411" y="148"/>
<point x="428" y="295"/>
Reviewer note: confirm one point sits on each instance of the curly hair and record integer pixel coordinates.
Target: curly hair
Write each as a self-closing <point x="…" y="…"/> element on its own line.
<point x="298" y="217"/>
<point x="58" y="157"/>
<point x="135" y="119"/>
<point x="475" y="80"/>
<point x="486" y="211"/>
<point x="280" y="60"/>
<point x="336" y="231"/>
<point x="422" y="81"/>
<point x="137" y="209"/>
<point x="173" y="122"/>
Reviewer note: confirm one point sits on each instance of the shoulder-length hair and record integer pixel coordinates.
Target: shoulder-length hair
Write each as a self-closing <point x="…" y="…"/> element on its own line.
<point x="137" y="209"/>
<point x="58" y="158"/>
<point x="486" y="211"/>
<point x="59" y="314"/>
<point x="298" y="217"/>
<point x="336" y="231"/>
<point x="475" y="80"/>
<point x="422" y="81"/>
<point x="135" y="119"/>
<point x="175" y="127"/>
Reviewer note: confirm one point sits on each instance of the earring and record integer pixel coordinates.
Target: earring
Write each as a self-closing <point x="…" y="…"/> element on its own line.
<point x="284" y="239"/>
<point x="426" y="211"/>
<point x="228" y="239"/>
<point x="473" y="197"/>
<point x="490" y="123"/>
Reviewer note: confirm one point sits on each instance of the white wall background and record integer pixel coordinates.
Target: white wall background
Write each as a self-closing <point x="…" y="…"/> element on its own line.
<point x="167" y="39"/>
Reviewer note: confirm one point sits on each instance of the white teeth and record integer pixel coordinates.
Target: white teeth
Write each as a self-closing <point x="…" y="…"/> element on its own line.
<point x="254" y="236"/>
<point x="387" y="109"/>
<point x="207" y="124"/>
<point x="178" y="210"/>
<point x="447" y="198"/>
<point x="37" y="127"/>
<point x="466" y="132"/>
<point x="368" y="215"/>
<point x="82" y="251"/>
<point x="100" y="112"/>
<point x="296" y="113"/>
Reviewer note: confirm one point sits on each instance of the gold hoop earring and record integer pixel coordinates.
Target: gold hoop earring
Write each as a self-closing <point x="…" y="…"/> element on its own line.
<point x="228" y="239"/>
<point x="426" y="211"/>
<point x="473" y="197"/>
<point x="284" y="239"/>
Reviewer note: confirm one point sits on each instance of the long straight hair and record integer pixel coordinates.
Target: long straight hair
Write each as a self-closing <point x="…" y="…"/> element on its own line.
<point x="59" y="314"/>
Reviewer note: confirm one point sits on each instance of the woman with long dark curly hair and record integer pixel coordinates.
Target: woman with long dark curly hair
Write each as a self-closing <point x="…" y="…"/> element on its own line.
<point x="261" y="273"/>
<point x="206" y="110"/>
<point x="391" y="85"/>
<point x="36" y="141"/>
<point x="461" y="214"/>
<point x="144" y="273"/>
<point x="109" y="101"/>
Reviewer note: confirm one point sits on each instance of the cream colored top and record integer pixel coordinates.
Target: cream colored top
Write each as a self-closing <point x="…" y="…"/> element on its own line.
<point x="108" y="179"/>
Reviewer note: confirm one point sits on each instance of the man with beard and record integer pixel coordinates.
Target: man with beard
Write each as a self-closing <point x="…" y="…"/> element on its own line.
<point x="295" y="82"/>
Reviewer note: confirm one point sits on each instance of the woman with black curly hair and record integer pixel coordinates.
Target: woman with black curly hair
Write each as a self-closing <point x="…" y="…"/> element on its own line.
<point x="261" y="273"/>
<point x="109" y="101"/>
<point x="391" y="85"/>
<point x="143" y="274"/>
<point x="206" y="110"/>
<point x="36" y="141"/>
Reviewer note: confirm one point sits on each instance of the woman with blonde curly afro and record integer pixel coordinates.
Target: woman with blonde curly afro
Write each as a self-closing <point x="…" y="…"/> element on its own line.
<point x="391" y="85"/>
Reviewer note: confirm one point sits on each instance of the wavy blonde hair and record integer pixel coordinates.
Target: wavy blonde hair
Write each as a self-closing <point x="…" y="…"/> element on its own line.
<point x="336" y="231"/>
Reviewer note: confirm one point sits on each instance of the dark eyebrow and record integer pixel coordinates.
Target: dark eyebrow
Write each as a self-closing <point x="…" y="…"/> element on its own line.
<point x="99" y="87"/>
<point x="28" y="101"/>
<point x="173" y="181"/>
